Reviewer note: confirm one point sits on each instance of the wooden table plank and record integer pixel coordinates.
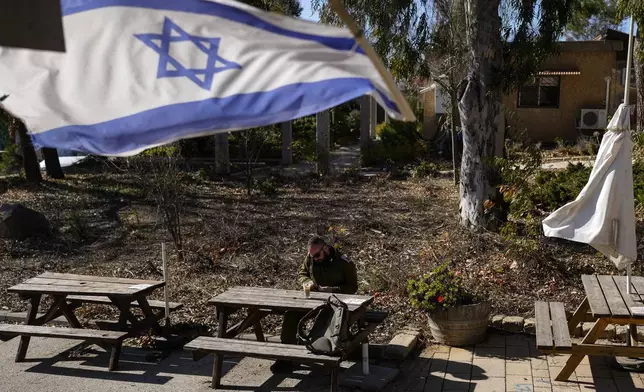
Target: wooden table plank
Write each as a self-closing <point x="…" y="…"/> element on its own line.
<point x="76" y="333"/>
<point x="258" y="349"/>
<point x="52" y="283"/>
<point x="559" y="325"/>
<point x="290" y="293"/>
<point x="50" y="289"/>
<point x="597" y="301"/>
<point x="90" y="278"/>
<point x="296" y="302"/>
<point x="637" y="283"/>
<point x="544" y="329"/>
<point x="613" y="297"/>
<point x="81" y="283"/>
<point x="633" y="299"/>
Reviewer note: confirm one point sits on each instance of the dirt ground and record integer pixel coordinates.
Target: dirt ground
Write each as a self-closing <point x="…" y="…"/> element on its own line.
<point x="392" y="229"/>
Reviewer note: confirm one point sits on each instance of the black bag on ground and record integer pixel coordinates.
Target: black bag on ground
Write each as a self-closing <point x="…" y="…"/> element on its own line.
<point x="329" y="334"/>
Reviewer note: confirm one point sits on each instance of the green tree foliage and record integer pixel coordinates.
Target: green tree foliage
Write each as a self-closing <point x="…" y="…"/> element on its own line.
<point x="506" y="40"/>
<point x="591" y="18"/>
<point x="286" y="7"/>
<point x="398" y="30"/>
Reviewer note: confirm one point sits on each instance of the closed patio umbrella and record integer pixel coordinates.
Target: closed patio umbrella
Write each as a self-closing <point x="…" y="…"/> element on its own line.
<point x="603" y="214"/>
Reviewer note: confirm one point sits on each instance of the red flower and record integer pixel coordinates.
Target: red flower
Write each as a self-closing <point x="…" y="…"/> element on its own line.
<point x="440" y="299"/>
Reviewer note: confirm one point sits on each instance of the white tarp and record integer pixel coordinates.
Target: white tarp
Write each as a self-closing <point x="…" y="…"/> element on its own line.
<point x="606" y="204"/>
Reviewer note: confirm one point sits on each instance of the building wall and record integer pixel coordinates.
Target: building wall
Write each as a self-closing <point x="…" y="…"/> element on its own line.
<point x="595" y="61"/>
<point x="585" y="91"/>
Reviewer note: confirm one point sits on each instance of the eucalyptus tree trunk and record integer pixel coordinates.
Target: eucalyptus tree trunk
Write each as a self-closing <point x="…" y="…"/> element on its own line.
<point x="481" y="117"/>
<point x="29" y="158"/>
<point x="52" y="163"/>
<point x="638" y="51"/>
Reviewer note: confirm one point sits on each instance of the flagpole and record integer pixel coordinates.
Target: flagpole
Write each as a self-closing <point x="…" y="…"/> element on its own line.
<point x="627" y="91"/>
<point x="629" y="60"/>
<point x="400" y="100"/>
<point x="165" y="286"/>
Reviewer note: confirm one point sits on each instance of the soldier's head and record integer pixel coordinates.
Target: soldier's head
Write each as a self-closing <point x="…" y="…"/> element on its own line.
<point x="318" y="249"/>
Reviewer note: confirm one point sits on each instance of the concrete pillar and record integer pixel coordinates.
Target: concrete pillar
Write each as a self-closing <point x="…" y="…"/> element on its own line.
<point x="287" y="143"/>
<point x="365" y="109"/>
<point x="222" y="154"/>
<point x="373" y="118"/>
<point x="323" y="141"/>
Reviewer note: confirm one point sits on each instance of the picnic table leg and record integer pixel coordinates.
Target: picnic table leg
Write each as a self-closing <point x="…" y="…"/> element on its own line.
<point x="578" y="316"/>
<point x="53" y="312"/>
<point x="575" y="359"/>
<point x="32" y="312"/>
<point x="257" y="326"/>
<point x="334" y="379"/>
<point x="126" y="315"/>
<point x="151" y="318"/>
<point x="219" y="358"/>
<point x="114" y="356"/>
<point x="68" y="312"/>
<point x="632" y="328"/>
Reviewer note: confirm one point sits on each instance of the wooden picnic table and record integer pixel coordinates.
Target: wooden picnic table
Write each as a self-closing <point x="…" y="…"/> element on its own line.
<point x="607" y="302"/>
<point x="122" y="293"/>
<point x="263" y="301"/>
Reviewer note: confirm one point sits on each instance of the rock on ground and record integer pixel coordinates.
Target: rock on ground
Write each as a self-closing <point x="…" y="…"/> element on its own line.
<point x="18" y="222"/>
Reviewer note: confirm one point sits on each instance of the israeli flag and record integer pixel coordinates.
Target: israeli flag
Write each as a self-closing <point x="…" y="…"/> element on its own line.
<point x="143" y="73"/>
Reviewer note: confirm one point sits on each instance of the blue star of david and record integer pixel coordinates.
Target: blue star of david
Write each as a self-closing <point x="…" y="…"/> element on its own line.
<point x="160" y="43"/>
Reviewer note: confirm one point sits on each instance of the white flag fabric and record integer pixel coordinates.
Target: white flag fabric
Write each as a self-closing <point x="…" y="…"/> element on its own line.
<point x="603" y="214"/>
<point x="142" y="73"/>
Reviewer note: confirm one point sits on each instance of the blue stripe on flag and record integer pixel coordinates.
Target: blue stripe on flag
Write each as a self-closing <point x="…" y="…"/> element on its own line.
<point x="167" y="123"/>
<point x="70" y="7"/>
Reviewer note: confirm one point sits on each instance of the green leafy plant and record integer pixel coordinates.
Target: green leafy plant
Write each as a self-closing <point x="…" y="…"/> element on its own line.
<point x="439" y="290"/>
<point x="268" y="187"/>
<point x="424" y="169"/>
<point x="399" y="143"/>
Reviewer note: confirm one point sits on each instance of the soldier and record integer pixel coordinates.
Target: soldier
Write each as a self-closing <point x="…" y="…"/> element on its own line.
<point x="326" y="270"/>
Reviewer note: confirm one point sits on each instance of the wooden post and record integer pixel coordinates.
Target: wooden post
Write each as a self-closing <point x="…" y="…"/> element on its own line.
<point x="222" y="156"/>
<point x="323" y="141"/>
<point x="365" y="109"/>
<point x="287" y="143"/>
<point x="373" y="118"/>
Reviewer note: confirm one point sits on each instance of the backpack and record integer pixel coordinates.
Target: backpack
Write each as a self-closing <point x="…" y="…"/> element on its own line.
<point x="329" y="334"/>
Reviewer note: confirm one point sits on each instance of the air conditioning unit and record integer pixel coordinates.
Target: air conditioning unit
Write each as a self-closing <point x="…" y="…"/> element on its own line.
<point x="593" y="119"/>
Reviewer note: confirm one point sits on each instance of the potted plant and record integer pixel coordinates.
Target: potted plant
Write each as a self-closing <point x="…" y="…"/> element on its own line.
<point x="457" y="316"/>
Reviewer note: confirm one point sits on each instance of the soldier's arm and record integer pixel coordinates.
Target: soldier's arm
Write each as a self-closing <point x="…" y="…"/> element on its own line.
<point x="305" y="275"/>
<point x="350" y="285"/>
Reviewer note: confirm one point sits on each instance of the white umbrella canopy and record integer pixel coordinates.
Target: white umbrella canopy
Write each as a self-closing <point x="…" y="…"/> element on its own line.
<point x="603" y="214"/>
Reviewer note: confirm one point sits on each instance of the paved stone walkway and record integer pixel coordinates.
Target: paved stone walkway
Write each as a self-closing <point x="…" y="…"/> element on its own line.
<point x="501" y="364"/>
<point x="509" y="364"/>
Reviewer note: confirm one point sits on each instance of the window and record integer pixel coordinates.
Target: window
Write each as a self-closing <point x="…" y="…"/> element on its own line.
<point x="540" y="92"/>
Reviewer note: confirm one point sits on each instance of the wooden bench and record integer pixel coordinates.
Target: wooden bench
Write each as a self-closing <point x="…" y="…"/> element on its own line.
<point x="552" y="327"/>
<point x="275" y="351"/>
<point x="154" y="304"/>
<point x="108" y="338"/>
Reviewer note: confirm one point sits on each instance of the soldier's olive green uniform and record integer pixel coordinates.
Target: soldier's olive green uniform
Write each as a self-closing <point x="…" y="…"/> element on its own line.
<point x="338" y="273"/>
